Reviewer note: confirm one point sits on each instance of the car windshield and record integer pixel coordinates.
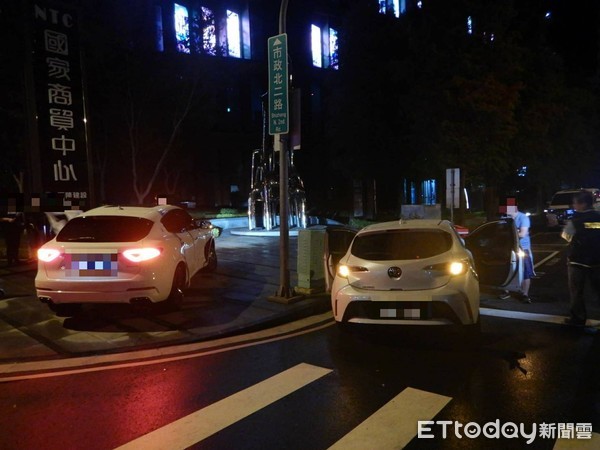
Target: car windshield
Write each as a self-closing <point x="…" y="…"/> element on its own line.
<point x="105" y="229"/>
<point x="563" y="199"/>
<point x="401" y="244"/>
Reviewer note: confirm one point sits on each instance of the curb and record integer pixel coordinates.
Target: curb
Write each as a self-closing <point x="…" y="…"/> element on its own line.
<point x="310" y="306"/>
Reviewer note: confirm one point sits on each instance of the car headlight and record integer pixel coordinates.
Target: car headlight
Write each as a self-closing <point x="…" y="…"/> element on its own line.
<point x="344" y="271"/>
<point x="47" y="254"/>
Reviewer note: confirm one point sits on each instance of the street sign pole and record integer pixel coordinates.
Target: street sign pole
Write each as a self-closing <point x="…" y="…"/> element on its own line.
<point x="452" y="190"/>
<point x="279" y="128"/>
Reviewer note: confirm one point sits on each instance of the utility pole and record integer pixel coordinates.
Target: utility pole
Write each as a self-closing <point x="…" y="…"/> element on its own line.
<point x="284" y="237"/>
<point x="284" y="293"/>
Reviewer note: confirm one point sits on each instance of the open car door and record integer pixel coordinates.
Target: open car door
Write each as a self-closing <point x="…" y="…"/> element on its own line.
<point x="337" y="243"/>
<point x="498" y="259"/>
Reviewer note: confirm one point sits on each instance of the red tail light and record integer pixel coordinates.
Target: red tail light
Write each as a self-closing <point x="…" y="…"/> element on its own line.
<point x="141" y="254"/>
<point x="47" y="254"/>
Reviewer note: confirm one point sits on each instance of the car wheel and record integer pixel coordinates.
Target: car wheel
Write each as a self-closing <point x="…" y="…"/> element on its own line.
<point x="175" y="298"/>
<point x="66" y="309"/>
<point x="211" y="259"/>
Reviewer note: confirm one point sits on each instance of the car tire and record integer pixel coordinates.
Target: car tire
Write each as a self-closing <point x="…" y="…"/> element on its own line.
<point x="66" y="309"/>
<point x="211" y="258"/>
<point x="175" y="298"/>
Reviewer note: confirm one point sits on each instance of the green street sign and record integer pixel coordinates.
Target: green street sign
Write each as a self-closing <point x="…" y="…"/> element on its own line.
<point x="279" y="112"/>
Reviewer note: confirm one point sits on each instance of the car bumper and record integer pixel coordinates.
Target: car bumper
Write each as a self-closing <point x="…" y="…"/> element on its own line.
<point x="86" y="291"/>
<point x="443" y="306"/>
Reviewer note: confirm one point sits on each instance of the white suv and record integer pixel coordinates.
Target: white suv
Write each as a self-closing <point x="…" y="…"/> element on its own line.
<point x="121" y="254"/>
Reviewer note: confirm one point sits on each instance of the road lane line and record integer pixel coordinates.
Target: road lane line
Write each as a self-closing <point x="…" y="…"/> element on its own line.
<point x="394" y="425"/>
<point x="578" y="444"/>
<point x="534" y="317"/>
<point x="546" y="259"/>
<point x="71" y="366"/>
<point x="191" y="429"/>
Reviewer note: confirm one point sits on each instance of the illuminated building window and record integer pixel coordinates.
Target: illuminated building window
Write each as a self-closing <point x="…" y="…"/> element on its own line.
<point x="159" y="43"/>
<point x="428" y="191"/>
<point x="334" y="61"/>
<point x="420" y="4"/>
<point x="316" y="46"/>
<point x="324" y="47"/>
<point x="469" y="25"/>
<point x="234" y="35"/>
<point x="209" y="31"/>
<point x="395" y="7"/>
<point x="182" y="28"/>
<point x="202" y="31"/>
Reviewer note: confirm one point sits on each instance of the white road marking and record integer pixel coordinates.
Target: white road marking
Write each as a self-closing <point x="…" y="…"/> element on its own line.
<point x="578" y="444"/>
<point x="520" y="315"/>
<point x="546" y="259"/>
<point x="207" y="421"/>
<point x="394" y="425"/>
<point x="60" y="367"/>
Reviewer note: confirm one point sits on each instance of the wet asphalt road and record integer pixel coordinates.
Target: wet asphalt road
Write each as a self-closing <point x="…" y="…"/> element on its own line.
<point x="519" y="371"/>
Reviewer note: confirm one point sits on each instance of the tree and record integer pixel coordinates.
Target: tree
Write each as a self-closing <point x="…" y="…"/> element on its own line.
<point x="142" y="179"/>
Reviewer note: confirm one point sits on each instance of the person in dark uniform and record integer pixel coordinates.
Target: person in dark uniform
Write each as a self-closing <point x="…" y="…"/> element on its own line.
<point x="13" y="227"/>
<point x="583" y="234"/>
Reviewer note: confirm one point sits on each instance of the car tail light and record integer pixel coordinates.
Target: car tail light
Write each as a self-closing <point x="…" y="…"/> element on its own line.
<point x="141" y="254"/>
<point x="344" y="270"/>
<point x="47" y="254"/>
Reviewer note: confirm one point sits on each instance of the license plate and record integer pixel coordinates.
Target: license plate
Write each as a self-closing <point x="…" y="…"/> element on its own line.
<point x="91" y="264"/>
<point x="407" y="313"/>
<point x="387" y="313"/>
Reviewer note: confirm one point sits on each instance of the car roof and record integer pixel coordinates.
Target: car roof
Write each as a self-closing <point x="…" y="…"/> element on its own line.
<point x="153" y="213"/>
<point x="409" y="225"/>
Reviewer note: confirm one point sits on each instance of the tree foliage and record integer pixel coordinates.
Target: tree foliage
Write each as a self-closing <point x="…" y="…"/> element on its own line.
<point x="421" y="93"/>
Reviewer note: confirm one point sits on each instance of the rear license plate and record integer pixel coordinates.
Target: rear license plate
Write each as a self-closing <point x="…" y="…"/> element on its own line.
<point x="91" y="264"/>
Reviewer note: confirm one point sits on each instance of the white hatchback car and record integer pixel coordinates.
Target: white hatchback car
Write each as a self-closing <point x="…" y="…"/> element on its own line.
<point x="421" y="272"/>
<point x="122" y="254"/>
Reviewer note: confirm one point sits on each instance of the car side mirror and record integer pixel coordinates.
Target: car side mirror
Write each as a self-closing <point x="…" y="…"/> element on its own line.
<point x="204" y="224"/>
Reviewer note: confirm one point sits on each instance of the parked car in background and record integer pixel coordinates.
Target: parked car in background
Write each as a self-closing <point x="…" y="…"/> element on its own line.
<point x="121" y="254"/>
<point x="560" y="208"/>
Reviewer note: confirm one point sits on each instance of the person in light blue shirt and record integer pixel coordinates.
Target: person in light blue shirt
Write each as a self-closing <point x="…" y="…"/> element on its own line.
<point x="523" y="224"/>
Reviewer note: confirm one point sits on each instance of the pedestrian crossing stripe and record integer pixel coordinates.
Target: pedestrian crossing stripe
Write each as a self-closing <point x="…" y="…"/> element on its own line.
<point x="195" y="427"/>
<point x="394" y="425"/>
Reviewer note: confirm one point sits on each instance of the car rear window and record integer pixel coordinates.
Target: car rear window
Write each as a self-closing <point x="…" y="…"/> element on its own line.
<point x="105" y="229"/>
<point x="401" y="244"/>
